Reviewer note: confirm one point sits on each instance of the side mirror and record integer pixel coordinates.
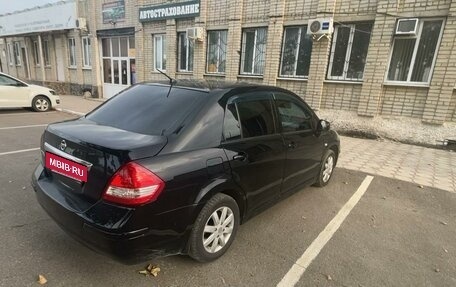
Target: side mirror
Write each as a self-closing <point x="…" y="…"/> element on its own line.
<point x="323" y="126"/>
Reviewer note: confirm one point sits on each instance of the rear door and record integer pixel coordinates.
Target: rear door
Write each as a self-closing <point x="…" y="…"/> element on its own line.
<point x="304" y="147"/>
<point x="13" y="93"/>
<point x="254" y="147"/>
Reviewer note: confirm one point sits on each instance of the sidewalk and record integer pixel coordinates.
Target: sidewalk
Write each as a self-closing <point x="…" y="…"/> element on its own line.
<point x="420" y="165"/>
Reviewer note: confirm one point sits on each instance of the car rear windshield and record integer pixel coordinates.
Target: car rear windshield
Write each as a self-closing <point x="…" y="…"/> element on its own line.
<point x="148" y="109"/>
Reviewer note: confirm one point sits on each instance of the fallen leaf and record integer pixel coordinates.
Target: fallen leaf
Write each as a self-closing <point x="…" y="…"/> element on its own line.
<point x="154" y="271"/>
<point x="42" y="280"/>
<point x="443" y="223"/>
<point x="149" y="267"/>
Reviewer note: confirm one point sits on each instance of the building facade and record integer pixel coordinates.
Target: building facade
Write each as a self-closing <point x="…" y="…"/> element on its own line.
<point x="367" y="65"/>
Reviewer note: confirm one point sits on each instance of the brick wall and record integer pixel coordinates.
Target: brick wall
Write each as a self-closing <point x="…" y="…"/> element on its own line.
<point x="341" y="96"/>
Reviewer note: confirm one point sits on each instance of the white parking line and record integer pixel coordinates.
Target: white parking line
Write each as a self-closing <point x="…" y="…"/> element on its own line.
<point x="23" y="127"/>
<point x="297" y="270"/>
<point x="19" y="151"/>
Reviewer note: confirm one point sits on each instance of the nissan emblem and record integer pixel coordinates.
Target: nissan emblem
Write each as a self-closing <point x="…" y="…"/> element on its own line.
<point x="63" y="145"/>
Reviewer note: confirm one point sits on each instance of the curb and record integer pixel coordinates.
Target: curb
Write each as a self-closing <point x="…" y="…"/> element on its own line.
<point x="70" y="112"/>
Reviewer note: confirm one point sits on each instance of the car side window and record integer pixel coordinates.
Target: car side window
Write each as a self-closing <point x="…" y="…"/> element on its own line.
<point x="256" y="118"/>
<point x="5" y="81"/>
<point x="292" y="115"/>
<point x="231" y="125"/>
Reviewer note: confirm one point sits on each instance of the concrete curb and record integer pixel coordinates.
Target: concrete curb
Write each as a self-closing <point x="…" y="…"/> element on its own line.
<point x="70" y="112"/>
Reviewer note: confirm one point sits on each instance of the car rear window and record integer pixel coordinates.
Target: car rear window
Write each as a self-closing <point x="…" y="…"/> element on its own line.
<point x="147" y="109"/>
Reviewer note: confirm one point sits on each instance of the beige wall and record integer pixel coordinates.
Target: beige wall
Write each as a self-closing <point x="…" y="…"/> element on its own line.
<point x="435" y="103"/>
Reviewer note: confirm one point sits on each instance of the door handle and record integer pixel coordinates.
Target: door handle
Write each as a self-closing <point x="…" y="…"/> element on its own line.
<point x="240" y="157"/>
<point x="292" y="145"/>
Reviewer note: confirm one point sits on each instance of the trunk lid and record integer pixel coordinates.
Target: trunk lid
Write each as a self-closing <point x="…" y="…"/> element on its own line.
<point x="100" y="147"/>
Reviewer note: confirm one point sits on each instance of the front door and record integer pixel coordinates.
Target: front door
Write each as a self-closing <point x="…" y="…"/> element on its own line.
<point x="60" y="59"/>
<point x="304" y="147"/>
<point x="254" y="148"/>
<point x="118" y="64"/>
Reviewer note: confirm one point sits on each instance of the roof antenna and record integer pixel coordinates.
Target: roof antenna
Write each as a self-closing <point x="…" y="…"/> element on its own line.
<point x="171" y="80"/>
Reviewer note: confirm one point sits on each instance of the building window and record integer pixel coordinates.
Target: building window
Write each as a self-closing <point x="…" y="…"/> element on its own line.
<point x="185" y="53"/>
<point x="46" y="53"/>
<point x="253" y="51"/>
<point x="296" y="51"/>
<point x="413" y="57"/>
<point x="349" y="51"/>
<point x="86" y="52"/>
<point x="216" y="51"/>
<point x="10" y="54"/>
<point x="72" y="51"/>
<point x="17" y="54"/>
<point x="160" y="52"/>
<point x="36" y="53"/>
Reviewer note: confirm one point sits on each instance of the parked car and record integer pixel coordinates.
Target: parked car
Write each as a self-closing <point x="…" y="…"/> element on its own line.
<point x="15" y="93"/>
<point x="160" y="170"/>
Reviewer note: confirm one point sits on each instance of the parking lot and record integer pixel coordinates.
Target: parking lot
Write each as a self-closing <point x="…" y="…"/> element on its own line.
<point x="398" y="233"/>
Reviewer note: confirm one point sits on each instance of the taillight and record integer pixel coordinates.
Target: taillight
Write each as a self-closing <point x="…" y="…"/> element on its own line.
<point x="133" y="184"/>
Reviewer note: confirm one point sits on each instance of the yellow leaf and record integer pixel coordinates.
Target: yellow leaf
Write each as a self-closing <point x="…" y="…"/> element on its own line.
<point x="154" y="271"/>
<point x="42" y="280"/>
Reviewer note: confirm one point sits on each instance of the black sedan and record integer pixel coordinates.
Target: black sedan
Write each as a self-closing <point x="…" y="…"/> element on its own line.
<point x="164" y="169"/>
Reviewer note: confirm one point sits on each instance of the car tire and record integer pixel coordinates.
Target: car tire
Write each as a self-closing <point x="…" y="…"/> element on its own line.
<point x="41" y="104"/>
<point x="206" y="228"/>
<point x="327" y="168"/>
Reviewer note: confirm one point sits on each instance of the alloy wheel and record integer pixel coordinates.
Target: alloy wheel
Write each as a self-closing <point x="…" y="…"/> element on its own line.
<point x="218" y="229"/>
<point x="329" y="166"/>
<point x="41" y="105"/>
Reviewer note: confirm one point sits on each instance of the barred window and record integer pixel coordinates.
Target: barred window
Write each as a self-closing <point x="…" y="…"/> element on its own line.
<point x="72" y="51"/>
<point x="296" y="51"/>
<point x="36" y="53"/>
<point x="17" y="54"/>
<point x="86" y="52"/>
<point x="349" y="51"/>
<point x="45" y="44"/>
<point x="413" y="57"/>
<point x="185" y="53"/>
<point x="10" y="53"/>
<point x="216" y="51"/>
<point x="160" y="52"/>
<point x="253" y="51"/>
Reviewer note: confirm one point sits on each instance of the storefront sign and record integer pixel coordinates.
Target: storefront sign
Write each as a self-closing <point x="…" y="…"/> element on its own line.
<point x="113" y="11"/>
<point x="39" y="19"/>
<point x="170" y="11"/>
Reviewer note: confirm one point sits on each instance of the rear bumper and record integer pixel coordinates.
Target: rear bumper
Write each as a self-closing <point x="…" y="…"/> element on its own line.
<point x="126" y="245"/>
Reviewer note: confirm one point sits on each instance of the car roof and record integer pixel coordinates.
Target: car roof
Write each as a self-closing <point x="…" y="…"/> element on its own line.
<point x="209" y="85"/>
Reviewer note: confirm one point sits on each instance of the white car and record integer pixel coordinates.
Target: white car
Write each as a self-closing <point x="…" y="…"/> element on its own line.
<point x="16" y="93"/>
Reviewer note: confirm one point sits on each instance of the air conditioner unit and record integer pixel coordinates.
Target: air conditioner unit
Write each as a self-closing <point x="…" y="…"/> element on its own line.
<point x="406" y="26"/>
<point x="195" y="33"/>
<point x="320" y="26"/>
<point x="81" y="23"/>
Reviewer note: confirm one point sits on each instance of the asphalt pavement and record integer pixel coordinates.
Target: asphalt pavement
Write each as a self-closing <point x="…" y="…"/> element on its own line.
<point x="397" y="234"/>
